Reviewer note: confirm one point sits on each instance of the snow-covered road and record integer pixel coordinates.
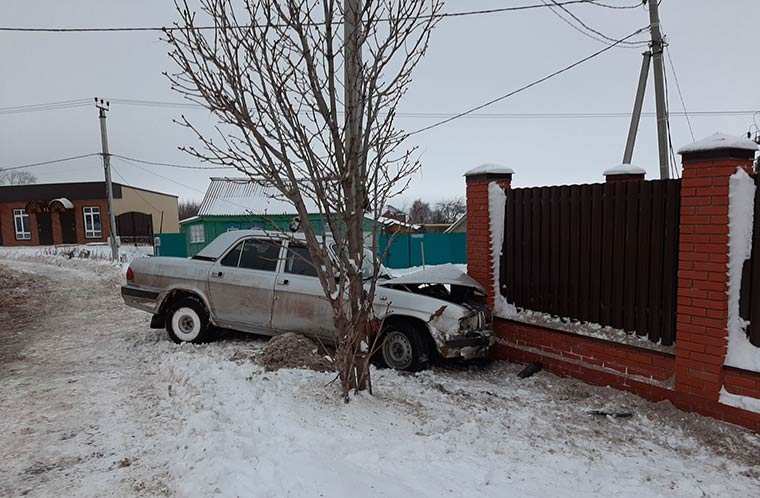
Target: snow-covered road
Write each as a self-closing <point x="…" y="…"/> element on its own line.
<point x="97" y="404"/>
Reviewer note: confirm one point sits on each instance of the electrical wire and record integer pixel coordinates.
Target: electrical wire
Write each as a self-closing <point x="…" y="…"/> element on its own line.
<point x="618" y="7"/>
<point x="159" y="104"/>
<point x="44" y="163"/>
<point x="527" y="86"/>
<point x="170" y="165"/>
<point x="50" y="106"/>
<point x="587" y="30"/>
<point x="680" y="94"/>
<point x="444" y="15"/>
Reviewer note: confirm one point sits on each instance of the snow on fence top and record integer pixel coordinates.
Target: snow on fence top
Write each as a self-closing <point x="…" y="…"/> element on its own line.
<point x="719" y="141"/>
<point x="490" y="169"/>
<point x="625" y="169"/>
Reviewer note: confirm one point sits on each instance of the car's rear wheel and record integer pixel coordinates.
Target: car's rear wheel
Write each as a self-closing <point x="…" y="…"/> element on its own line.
<point x="188" y="322"/>
<point x="404" y="348"/>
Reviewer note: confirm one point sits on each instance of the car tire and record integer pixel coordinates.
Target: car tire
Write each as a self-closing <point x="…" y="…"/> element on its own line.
<point x="187" y="321"/>
<point x="404" y="348"/>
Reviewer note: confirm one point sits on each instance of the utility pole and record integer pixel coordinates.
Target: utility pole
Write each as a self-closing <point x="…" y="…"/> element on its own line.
<point x="103" y="107"/>
<point x="637" y="105"/>
<point x="659" y="87"/>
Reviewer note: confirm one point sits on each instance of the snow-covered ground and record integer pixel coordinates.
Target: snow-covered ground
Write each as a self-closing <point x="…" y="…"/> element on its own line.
<point x="97" y="404"/>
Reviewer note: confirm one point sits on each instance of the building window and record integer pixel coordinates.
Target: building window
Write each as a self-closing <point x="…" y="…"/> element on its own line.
<point x="21" y="223"/>
<point x="197" y="234"/>
<point x="92" y="226"/>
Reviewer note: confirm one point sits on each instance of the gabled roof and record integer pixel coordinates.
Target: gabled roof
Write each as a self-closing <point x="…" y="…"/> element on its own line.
<point x="243" y="196"/>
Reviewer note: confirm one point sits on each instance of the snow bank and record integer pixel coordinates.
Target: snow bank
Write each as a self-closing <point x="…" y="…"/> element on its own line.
<point x="497" y="203"/>
<point x="737" y="401"/>
<point x="741" y="353"/>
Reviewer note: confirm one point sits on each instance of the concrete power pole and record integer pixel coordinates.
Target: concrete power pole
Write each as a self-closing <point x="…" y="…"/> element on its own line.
<point x="104" y="106"/>
<point x="636" y="116"/>
<point x="659" y="88"/>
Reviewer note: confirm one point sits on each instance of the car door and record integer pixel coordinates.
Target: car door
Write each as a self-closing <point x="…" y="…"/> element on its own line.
<point x="300" y="304"/>
<point x="241" y="285"/>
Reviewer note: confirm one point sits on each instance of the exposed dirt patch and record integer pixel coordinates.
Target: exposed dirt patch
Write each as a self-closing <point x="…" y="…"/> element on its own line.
<point x="293" y="351"/>
<point x="22" y="301"/>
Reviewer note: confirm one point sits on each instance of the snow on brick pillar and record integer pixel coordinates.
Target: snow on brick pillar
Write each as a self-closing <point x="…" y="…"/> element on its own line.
<point x="479" y="263"/>
<point x="624" y="173"/>
<point x="702" y="314"/>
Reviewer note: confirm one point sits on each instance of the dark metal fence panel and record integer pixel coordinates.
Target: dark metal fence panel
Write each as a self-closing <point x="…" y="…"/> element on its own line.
<point x="601" y="253"/>
<point x="749" y="300"/>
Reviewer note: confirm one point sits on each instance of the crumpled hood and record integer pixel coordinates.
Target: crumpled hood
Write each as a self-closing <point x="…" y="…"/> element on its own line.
<point x="440" y="274"/>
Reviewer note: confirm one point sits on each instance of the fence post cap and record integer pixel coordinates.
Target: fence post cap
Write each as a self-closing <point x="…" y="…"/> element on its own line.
<point x="721" y="141"/>
<point x="490" y="169"/>
<point x="625" y="169"/>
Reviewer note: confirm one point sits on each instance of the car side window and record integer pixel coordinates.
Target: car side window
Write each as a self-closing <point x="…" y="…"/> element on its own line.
<point x="233" y="257"/>
<point x="299" y="261"/>
<point x="259" y="254"/>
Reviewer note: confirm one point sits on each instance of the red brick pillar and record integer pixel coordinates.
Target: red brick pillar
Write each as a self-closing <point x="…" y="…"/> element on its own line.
<point x="479" y="264"/>
<point x="702" y="315"/>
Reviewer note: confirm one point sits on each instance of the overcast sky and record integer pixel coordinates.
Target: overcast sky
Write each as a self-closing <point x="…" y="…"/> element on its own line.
<point x="471" y="60"/>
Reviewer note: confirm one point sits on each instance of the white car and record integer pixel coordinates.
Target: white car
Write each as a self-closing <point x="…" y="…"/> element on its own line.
<point x="263" y="283"/>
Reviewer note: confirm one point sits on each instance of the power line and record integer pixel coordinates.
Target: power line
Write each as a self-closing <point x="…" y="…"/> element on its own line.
<point x="680" y="94"/>
<point x="618" y="7"/>
<point x="444" y="15"/>
<point x="170" y="165"/>
<point x="525" y="87"/>
<point x="54" y="161"/>
<point x="585" y="29"/>
<point x="414" y="115"/>
<point x="49" y="106"/>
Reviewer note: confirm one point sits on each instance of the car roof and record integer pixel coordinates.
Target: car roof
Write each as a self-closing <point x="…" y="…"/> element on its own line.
<point x="219" y="245"/>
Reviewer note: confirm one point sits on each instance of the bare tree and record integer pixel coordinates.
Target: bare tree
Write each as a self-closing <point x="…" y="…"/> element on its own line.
<point x="449" y="210"/>
<point x="420" y="212"/>
<point x="188" y="209"/>
<point x="271" y="72"/>
<point x="16" y="178"/>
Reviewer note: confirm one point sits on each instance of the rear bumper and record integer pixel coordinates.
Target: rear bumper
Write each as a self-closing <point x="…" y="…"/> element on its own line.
<point x="141" y="299"/>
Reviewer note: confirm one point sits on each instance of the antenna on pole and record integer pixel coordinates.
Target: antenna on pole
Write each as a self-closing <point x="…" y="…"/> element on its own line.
<point x="103" y="107"/>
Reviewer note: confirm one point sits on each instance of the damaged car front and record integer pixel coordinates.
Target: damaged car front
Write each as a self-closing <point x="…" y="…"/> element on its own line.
<point x="452" y="305"/>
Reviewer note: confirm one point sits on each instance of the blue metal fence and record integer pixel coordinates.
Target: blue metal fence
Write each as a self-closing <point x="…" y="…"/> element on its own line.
<point x="419" y="249"/>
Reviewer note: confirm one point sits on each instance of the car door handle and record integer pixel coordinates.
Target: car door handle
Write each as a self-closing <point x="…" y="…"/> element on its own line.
<point x="283" y="281"/>
<point x="217" y="274"/>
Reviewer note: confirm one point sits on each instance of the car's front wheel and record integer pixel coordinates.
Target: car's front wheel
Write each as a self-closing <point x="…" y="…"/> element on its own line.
<point x="404" y="348"/>
<point x="188" y="322"/>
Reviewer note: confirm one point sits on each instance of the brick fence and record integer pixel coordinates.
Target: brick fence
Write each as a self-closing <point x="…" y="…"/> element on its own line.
<point x="692" y="374"/>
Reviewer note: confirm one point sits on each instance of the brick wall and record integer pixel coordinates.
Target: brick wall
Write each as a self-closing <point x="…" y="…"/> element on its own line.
<point x="693" y="377"/>
<point x="8" y="228"/>
<point x="9" y="233"/>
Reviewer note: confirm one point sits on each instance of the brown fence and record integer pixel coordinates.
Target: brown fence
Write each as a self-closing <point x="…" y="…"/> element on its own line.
<point x="748" y="303"/>
<point x="602" y="253"/>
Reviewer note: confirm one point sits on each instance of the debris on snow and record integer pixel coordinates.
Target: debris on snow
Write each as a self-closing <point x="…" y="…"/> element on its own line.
<point x="497" y="204"/>
<point x="530" y="370"/>
<point x="293" y="351"/>
<point x="741" y="199"/>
